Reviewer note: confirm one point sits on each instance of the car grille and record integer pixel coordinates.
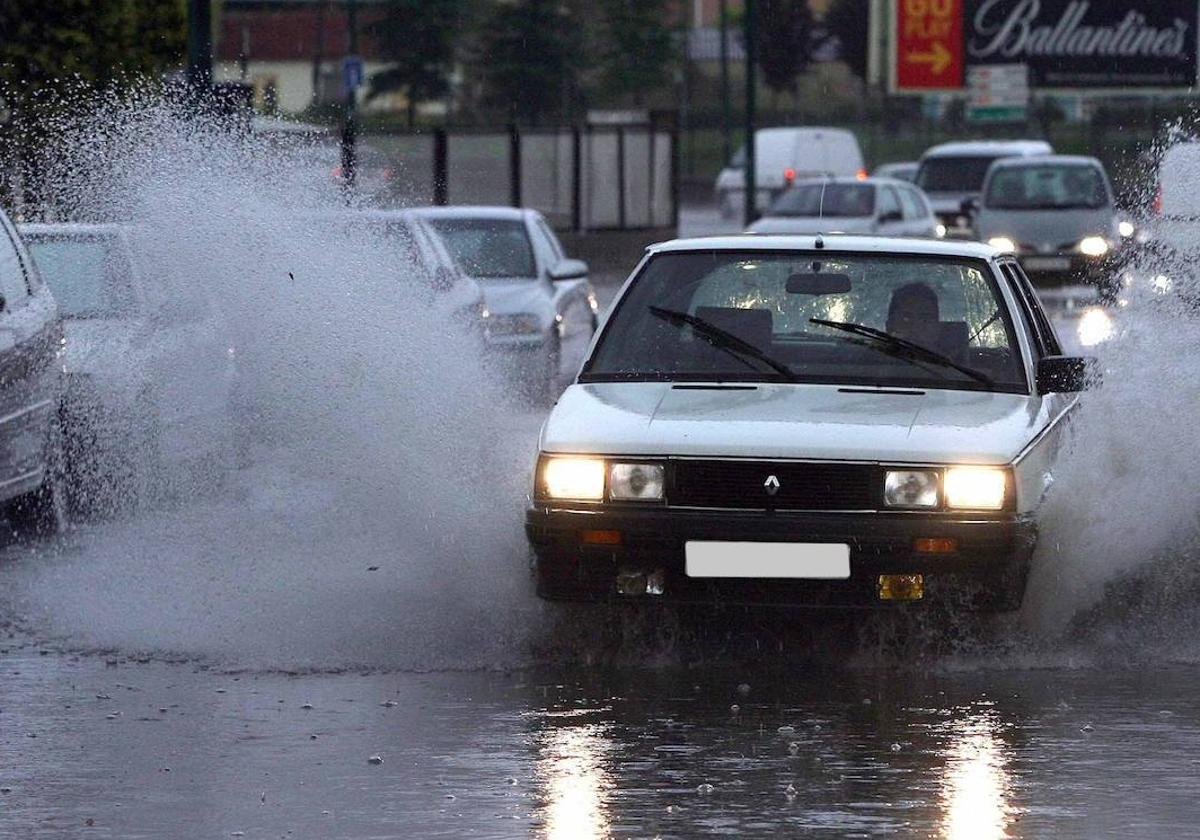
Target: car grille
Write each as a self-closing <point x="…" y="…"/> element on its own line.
<point x="802" y="486"/>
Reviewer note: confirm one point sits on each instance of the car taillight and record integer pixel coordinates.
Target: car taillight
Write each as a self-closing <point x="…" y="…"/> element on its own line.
<point x="789" y="176"/>
<point x="861" y="174"/>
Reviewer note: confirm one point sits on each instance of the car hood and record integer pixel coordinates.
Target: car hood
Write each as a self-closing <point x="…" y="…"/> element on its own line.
<point x="949" y="202"/>
<point x="792" y="421"/>
<point x="813" y="224"/>
<point x="1045" y="230"/>
<point x="514" y="296"/>
<point x="100" y="346"/>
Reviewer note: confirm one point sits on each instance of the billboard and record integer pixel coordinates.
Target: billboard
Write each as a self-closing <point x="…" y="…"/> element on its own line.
<point x="1066" y="44"/>
<point x="1084" y="44"/>
<point x="929" y="45"/>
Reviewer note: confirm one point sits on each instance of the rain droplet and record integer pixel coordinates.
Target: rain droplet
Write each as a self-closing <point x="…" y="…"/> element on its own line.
<point x="743" y="689"/>
<point x="786" y="730"/>
<point x="705" y="789"/>
<point x="1087" y="727"/>
<point x="387" y="704"/>
<point x="794" y="748"/>
<point x="375" y="759"/>
<point x="790" y="791"/>
<point x="307" y="706"/>
<point x="735" y="708"/>
<point x="896" y="748"/>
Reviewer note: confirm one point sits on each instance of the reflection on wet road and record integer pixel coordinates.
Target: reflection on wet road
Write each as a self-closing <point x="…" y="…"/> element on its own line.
<point x="160" y="750"/>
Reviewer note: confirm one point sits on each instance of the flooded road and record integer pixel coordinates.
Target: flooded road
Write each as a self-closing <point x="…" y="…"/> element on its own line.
<point x="104" y="746"/>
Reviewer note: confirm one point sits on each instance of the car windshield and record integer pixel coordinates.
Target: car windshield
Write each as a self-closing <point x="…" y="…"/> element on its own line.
<point x="90" y="276"/>
<point x="488" y="247"/>
<point x="826" y="200"/>
<point x="963" y="173"/>
<point x="1046" y="187"/>
<point x="890" y="320"/>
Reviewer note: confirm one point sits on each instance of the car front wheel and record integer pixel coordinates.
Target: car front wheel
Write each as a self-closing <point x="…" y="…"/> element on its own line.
<point x="44" y="511"/>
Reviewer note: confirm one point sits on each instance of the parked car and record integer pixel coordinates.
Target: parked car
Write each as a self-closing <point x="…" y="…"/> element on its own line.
<point x="32" y="480"/>
<point x="150" y="369"/>
<point x="784" y="156"/>
<point x="847" y="205"/>
<point x="1170" y="239"/>
<point x="952" y="174"/>
<point x="1057" y="214"/>
<point x="542" y="307"/>
<point x="903" y="170"/>
<point x="806" y="421"/>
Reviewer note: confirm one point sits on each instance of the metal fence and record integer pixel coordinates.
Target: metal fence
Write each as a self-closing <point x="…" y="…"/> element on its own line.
<point x="620" y="177"/>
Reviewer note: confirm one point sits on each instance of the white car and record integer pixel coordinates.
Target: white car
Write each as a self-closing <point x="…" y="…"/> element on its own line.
<point x="952" y="175"/>
<point x="150" y="370"/>
<point x="542" y="309"/>
<point x="883" y="206"/>
<point x="806" y="421"/>
<point x="783" y="156"/>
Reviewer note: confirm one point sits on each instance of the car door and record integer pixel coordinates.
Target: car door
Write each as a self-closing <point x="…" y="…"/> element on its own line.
<point x="1039" y="458"/>
<point x="30" y="380"/>
<point x="572" y="297"/>
<point x="889" y="218"/>
<point x="916" y="223"/>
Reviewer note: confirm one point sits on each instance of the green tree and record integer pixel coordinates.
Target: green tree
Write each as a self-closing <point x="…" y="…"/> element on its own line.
<point x="637" y="48"/>
<point x="61" y="53"/>
<point x="528" y="57"/>
<point x="848" y="22"/>
<point x="418" y="39"/>
<point x="783" y="42"/>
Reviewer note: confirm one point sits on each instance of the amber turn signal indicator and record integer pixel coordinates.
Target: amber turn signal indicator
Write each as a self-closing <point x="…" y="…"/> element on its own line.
<point x="935" y="545"/>
<point x="600" y="537"/>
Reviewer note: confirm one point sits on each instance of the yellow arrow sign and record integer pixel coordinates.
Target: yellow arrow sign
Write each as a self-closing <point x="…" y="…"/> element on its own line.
<point x="938" y="58"/>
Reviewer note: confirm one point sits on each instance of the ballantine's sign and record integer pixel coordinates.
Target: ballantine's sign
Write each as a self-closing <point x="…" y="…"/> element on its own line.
<point x="1079" y="43"/>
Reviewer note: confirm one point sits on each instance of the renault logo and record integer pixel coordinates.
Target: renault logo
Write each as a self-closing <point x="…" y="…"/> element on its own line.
<point x="771" y="485"/>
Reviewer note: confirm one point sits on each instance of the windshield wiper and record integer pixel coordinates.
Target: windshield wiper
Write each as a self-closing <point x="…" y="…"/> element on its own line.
<point x="903" y="349"/>
<point x="721" y="339"/>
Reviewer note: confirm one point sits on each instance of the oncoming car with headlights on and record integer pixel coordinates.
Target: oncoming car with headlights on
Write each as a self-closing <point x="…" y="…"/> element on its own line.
<point x="806" y="421"/>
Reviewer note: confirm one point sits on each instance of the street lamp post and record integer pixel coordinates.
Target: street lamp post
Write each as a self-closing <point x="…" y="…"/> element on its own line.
<point x="751" y="177"/>
<point x="350" y="124"/>
<point x="199" y="44"/>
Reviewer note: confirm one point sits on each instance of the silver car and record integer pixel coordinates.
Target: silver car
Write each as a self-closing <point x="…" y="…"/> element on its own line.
<point x="542" y="309"/>
<point x="879" y="206"/>
<point x="1056" y="213"/>
<point x="150" y="368"/>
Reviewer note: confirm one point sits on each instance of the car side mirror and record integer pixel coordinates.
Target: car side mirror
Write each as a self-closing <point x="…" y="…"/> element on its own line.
<point x="443" y="279"/>
<point x="569" y="270"/>
<point x="891" y="216"/>
<point x="1066" y="374"/>
<point x="969" y="206"/>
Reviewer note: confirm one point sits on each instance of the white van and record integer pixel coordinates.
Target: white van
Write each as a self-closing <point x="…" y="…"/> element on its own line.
<point x="953" y="173"/>
<point x="784" y="155"/>
<point x="1177" y="201"/>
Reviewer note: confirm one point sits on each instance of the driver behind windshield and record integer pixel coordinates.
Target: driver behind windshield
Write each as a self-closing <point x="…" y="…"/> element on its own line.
<point x="913" y="315"/>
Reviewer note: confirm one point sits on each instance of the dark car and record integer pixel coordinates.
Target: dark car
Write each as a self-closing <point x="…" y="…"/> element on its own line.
<point x="32" y="484"/>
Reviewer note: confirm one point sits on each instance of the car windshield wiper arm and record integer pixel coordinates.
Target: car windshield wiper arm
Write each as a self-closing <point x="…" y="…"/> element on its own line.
<point x="721" y="339"/>
<point x="904" y="349"/>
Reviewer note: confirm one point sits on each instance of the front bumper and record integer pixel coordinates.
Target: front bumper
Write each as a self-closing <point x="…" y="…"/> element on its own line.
<point x="987" y="571"/>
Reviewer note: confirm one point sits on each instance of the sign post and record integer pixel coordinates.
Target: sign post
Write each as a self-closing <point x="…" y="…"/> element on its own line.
<point x="928" y="46"/>
<point x="997" y="92"/>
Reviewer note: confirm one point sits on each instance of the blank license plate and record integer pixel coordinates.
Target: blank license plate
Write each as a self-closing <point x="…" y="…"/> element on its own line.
<point x="1046" y="263"/>
<point x="767" y="560"/>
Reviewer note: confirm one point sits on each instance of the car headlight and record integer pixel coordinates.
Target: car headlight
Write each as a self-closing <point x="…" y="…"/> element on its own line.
<point x="1095" y="327"/>
<point x="571" y="477"/>
<point x="1003" y="243"/>
<point x="976" y="488"/>
<point x="1093" y="246"/>
<point x="1125" y="228"/>
<point x="635" y="482"/>
<point x="911" y="489"/>
<point x="940" y="231"/>
<point x="522" y="324"/>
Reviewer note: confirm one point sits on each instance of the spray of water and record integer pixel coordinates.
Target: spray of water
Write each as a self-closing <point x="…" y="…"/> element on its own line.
<point x="375" y="518"/>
